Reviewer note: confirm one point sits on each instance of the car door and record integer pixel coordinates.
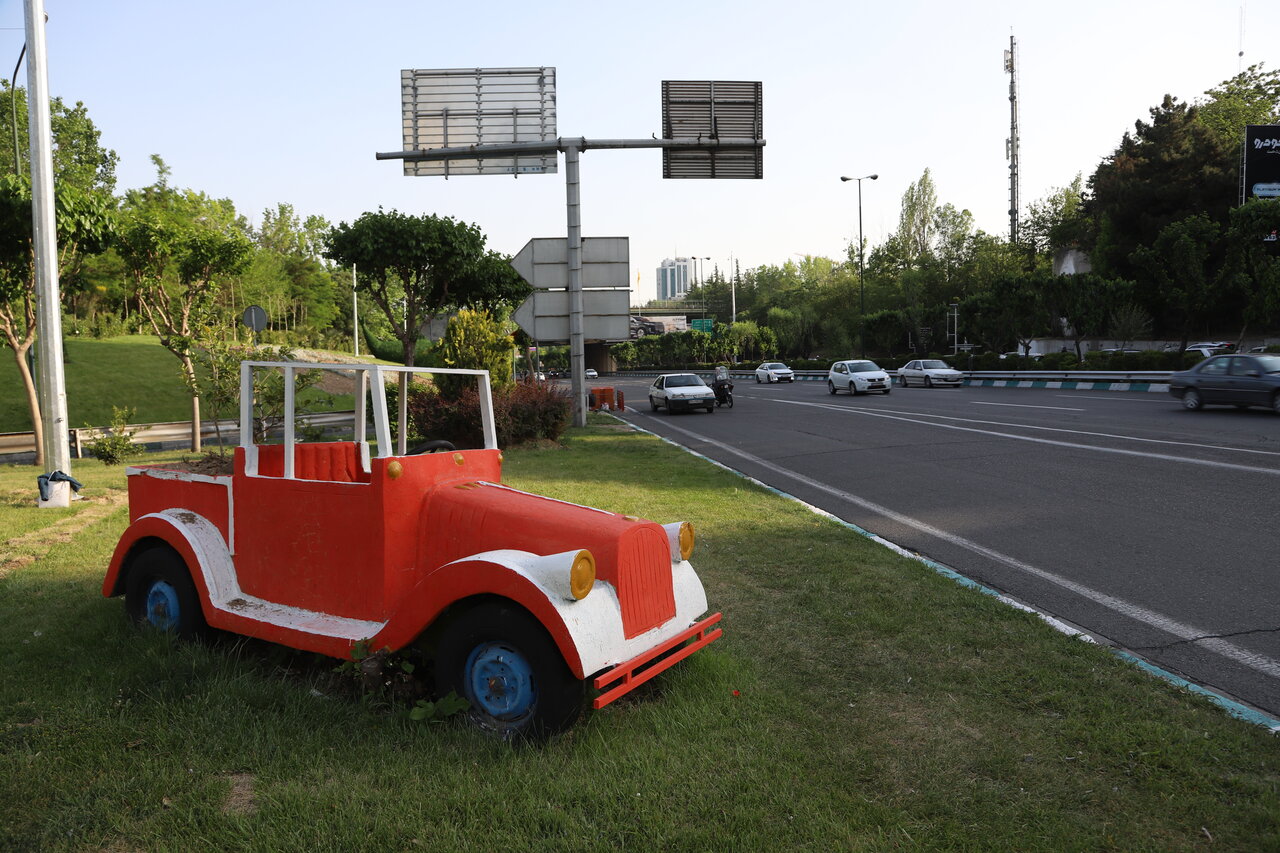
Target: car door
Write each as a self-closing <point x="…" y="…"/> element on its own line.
<point x="1247" y="384"/>
<point x="657" y="389"/>
<point x="911" y="371"/>
<point x="1213" y="381"/>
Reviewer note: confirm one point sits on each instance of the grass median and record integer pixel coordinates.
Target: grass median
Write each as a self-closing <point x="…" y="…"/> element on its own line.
<point x="857" y="701"/>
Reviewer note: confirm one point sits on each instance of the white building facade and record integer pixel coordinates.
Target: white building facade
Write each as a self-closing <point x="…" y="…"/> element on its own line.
<point x="674" y="278"/>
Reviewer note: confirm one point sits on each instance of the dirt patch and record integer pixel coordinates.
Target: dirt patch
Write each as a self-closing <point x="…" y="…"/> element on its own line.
<point x="24" y="550"/>
<point x="240" y="799"/>
<point x="211" y="465"/>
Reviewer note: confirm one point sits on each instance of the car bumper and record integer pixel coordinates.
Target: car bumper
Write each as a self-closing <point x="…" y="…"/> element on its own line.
<point x="625" y="677"/>
<point x="692" y="402"/>
<point x="876" y="385"/>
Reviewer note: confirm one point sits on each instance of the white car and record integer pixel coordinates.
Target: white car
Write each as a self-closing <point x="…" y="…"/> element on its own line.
<point x="858" y="376"/>
<point x="774" y="371"/>
<point x="679" y="391"/>
<point x="592" y="374"/>
<point x="929" y="372"/>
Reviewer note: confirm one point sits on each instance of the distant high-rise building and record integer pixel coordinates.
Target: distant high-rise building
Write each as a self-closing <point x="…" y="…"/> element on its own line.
<point x="674" y="278"/>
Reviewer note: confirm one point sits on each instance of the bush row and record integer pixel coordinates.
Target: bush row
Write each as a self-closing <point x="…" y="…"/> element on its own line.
<point x="522" y="412"/>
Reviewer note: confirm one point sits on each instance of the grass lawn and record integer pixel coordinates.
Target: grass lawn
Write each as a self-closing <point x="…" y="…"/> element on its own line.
<point x="858" y="701"/>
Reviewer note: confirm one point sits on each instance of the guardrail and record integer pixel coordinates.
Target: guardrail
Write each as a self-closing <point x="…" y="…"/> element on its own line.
<point x="972" y="377"/>
<point x="169" y="432"/>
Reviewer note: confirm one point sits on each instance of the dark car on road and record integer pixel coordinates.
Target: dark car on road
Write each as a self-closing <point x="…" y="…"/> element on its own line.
<point x="1236" y="380"/>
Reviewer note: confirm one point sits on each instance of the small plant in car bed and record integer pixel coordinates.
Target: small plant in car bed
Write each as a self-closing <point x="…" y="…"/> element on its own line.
<point x="385" y="680"/>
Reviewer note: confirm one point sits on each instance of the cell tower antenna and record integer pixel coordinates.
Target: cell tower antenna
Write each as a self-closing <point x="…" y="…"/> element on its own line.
<point x="1011" y="144"/>
<point x="1240" y="53"/>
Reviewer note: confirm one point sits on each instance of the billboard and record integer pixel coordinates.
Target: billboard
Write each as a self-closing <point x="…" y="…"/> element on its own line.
<point x="461" y="107"/>
<point x="1261" y="161"/>
<point x="711" y="110"/>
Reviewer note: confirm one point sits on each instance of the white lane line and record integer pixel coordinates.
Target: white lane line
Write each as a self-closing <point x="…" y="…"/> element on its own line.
<point x="1162" y="456"/>
<point x="1181" y="630"/>
<point x="1112" y="398"/>
<point x="1025" y="406"/>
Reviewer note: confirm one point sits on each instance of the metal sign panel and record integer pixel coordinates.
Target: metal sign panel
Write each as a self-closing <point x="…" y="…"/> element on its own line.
<point x="1261" y="161"/>
<point x="544" y="262"/>
<point x="605" y="315"/>
<point x="712" y="109"/>
<point x="458" y="107"/>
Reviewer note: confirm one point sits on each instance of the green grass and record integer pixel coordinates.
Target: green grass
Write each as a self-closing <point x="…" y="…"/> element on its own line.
<point x="857" y="701"/>
<point x="132" y="371"/>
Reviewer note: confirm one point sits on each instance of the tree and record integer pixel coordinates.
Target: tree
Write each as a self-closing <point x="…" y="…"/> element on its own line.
<point x="1250" y="97"/>
<point x="1184" y="262"/>
<point x="78" y="158"/>
<point x="417" y="267"/>
<point x="1085" y="303"/>
<point x="83" y="222"/>
<point x="1164" y="171"/>
<point x="1055" y="221"/>
<point x="474" y="341"/>
<point x="175" y="269"/>
<point x="1254" y="260"/>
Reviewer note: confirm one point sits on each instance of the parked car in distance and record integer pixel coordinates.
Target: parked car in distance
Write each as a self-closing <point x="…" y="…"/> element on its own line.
<point x="1119" y="351"/>
<point x="857" y="376"/>
<point x="1236" y="380"/>
<point x="679" y="391"/>
<point x="592" y="374"/>
<point x="929" y="372"/>
<point x="774" y="371"/>
<point x="1206" y="350"/>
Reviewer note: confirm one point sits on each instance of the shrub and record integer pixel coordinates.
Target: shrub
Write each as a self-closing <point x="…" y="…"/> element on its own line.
<point x="526" y="411"/>
<point x="116" y="445"/>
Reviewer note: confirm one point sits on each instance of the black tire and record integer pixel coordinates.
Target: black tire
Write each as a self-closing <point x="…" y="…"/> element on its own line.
<point x="757" y="378"/>
<point x="730" y="403"/>
<point x="159" y="593"/>
<point x="887" y="390"/>
<point x="711" y="410"/>
<point x="928" y="383"/>
<point x="653" y="403"/>
<point x="505" y="664"/>
<point x="1191" y="400"/>
<point x="831" y="387"/>
<point x="853" y="389"/>
<point x="1275" y="402"/>
<point x="903" y="381"/>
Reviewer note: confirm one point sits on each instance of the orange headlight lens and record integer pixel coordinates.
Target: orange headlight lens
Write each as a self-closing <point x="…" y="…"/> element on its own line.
<point x="582" y="575"/>
<point x="686" y="540"/>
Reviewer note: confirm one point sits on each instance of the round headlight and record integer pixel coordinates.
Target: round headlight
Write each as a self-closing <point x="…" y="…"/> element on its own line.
<point x="582" y="575"/>
<point x="686" y="540"/>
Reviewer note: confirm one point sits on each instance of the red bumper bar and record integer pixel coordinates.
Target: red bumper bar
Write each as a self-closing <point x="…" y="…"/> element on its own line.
<point x="640" y="669"/>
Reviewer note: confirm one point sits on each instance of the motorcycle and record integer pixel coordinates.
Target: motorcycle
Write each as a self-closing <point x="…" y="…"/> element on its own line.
<point x="723" y="387"/>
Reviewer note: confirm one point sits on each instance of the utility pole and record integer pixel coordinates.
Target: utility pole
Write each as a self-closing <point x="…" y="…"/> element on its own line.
<point x="1011" y="145"/>
<point x="53" y="393"/>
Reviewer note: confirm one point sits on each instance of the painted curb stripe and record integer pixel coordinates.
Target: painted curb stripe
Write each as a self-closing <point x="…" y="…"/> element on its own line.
<point x="1232" y="707"/>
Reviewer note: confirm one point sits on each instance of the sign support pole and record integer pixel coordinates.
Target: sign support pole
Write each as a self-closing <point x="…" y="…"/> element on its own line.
<point x="577" y="352"/>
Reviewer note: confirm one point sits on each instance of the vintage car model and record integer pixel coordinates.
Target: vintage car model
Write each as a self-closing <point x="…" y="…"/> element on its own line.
<point x="519" y="601"/>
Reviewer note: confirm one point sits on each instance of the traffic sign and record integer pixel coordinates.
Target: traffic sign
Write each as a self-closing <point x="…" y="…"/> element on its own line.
<point x="544" y="262"/>
<point x="605" y="315"/>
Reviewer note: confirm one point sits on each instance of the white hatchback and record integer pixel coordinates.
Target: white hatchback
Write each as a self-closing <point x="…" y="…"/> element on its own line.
<point x="929" y="372"/>
<point x="681" y="391"/>
<point x="858" y="376"/>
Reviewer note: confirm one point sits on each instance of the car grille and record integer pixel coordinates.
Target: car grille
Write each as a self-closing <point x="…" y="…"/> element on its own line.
<point x="644" y="580"/>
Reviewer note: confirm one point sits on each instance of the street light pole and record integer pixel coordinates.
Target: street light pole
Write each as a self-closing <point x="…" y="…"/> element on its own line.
<point x="862" y="292"/>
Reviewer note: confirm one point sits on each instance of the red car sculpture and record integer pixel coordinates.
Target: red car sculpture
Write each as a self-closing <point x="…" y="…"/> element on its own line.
<point x="520" y="601"/>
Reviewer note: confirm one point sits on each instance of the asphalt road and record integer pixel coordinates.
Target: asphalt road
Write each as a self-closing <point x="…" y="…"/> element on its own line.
<point x="1147" y="526"/>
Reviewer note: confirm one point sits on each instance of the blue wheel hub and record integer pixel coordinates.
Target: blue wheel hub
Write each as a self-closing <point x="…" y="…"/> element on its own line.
<point x="163" y="610"/>
<point x="500" y="681"/>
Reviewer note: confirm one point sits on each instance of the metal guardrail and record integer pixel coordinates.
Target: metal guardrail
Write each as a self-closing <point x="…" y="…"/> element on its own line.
<point x="159" y="433"/>
<point x="974" y="375"/>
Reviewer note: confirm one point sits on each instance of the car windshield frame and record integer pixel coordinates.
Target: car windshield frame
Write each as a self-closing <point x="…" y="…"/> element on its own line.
<point x="684" y="380"/>
<point x="934" y="364"/>
<point x="1268" y="363"/>
<point x="864" y="367"/>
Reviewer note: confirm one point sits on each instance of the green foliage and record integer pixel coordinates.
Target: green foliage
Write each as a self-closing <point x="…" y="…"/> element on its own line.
<point x="1251" y="97"/>
<point x="116" y="445"/>
<point x="417" y="267"/>
<point x="522" y="412"/>
<point x="473" y="341"/>
<point x="442" y="709"/>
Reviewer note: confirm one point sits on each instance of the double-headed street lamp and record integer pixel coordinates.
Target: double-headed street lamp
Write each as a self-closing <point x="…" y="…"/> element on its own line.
<point x="862" y="293"/>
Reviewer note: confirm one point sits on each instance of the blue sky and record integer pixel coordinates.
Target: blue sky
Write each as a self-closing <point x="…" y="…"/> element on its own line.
<point x="265" y="102"/>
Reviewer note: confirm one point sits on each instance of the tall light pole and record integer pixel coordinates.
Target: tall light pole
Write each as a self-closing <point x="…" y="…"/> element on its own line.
<point x="862" y="292"/>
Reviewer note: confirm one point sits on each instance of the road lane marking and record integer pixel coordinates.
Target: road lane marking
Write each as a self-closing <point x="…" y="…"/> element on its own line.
<point x="1230" y="466"/>
<point x="1025" y="406"/>
<point x="1182" y="630"/>
<point x="1111" y="398"/>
